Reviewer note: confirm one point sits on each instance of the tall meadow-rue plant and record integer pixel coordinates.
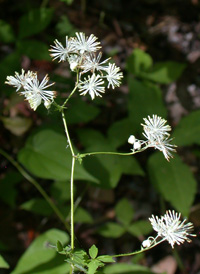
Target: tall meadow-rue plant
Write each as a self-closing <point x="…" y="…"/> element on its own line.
<point x="92" y="78"/>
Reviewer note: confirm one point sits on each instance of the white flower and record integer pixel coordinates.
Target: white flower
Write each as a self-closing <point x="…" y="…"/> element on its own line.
<point x="92" y="63"/>
<point x="171" y="228"/>
<point x="155" y="128"/>
<point x="164" y="146"/>
<point x="27" y="84"/>
<point x="18" y="81"/>
<point x="58" y="51"/>
<point x="157" y="135"/>
<point x="93" y="85"/>
<point x="85" y="44"/>
<point x="113" y="75"/>
<point x="35" y="92"/>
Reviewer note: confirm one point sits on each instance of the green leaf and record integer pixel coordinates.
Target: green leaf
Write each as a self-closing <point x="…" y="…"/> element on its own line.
<point x="93" y="251"/>
<point x="165" y="72"/>
<point x="3" y="263"/>
<point x="64" y="26"/>
<point x="38" y="206"/>
<point x="173" y="180"/>
<point x="17" y="125"/>
<point x="140" y="228"/>
<point x="82" y="216"/>
<point x="188" y="130"/>
<point x="8" y="66"/>
<point x="108" y="169"/>
<point x="60" y="190"/>
<point x="138" y="62"/>
<point x="93" y="265"/>
<point x="6" y="32"/>
<point x="35" y="21"/>
<point x="124" y="211"/>
<point x="34" y="49"/>
<point x="125" y="268"/>
<point x="111" y="230"/>
<point x="81" y="112"/>
<point x="59" y="246"/>
<point x="40" y="257"/>
<point x="46" y="156"/>
<point x="8" y="192"/>
<point x="119" y="132"/>
<point x="144" y="99"/>
<point x="106" y="259"/>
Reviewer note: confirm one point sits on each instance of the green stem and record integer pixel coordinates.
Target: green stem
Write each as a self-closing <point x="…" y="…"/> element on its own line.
<point x="71" y="184"/>
<point x="112" y="153"/>
<point x="139" y="251"/>
<point x="76" y="85"/>
<point x="37" y="186"/>
<point x="72" y="203"/>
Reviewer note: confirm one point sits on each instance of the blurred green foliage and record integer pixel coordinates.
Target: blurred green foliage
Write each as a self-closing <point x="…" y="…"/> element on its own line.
<point x="45" y="153"/>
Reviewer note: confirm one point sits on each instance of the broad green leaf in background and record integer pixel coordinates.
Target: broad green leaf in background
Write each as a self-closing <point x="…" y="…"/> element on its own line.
<point x="125" y="268"/>
<point x="34" y="49"/>
<point x="41" y="258"/>
<point x="6" y="32"/>
<point x="188" y="130"/>
<point x="38" y="206"/>
<point x="81" y="112"/>
<point x="82" y="216"/>
<point x="3" y="263"/>
<point x="141" y="65"/>
<point x="111" y="230"/>
<point x="173" y="180"/>
<point x="119" y="132"/>
<point x="46" y="155"/>
<point x="106" y="168"/>
<point x="144" y="99"/>
<point x="64" y="26"/>
<point x="8" y="66"/>
<point x="35" y="21"/>
<point x="8" y="192"/>
<point x="140" y="228"/>
<point x="138" y="62"/>
<point x="124" y="212"/>
<point x="164" y="72"/>
<point x="60" y="191"/>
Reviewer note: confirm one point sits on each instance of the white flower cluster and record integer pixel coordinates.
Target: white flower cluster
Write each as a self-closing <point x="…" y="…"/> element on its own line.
<point x="27" y="84"/>
<point x="157" y="135"/>
<point x="81" y="53"/>
<point x="170" y="228"/>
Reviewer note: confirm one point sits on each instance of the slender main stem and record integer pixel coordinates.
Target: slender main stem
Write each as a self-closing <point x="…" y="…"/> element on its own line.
<point x="71" y="184"/>
<point x="37" y="186"/>
<point x="72" y="202"/>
